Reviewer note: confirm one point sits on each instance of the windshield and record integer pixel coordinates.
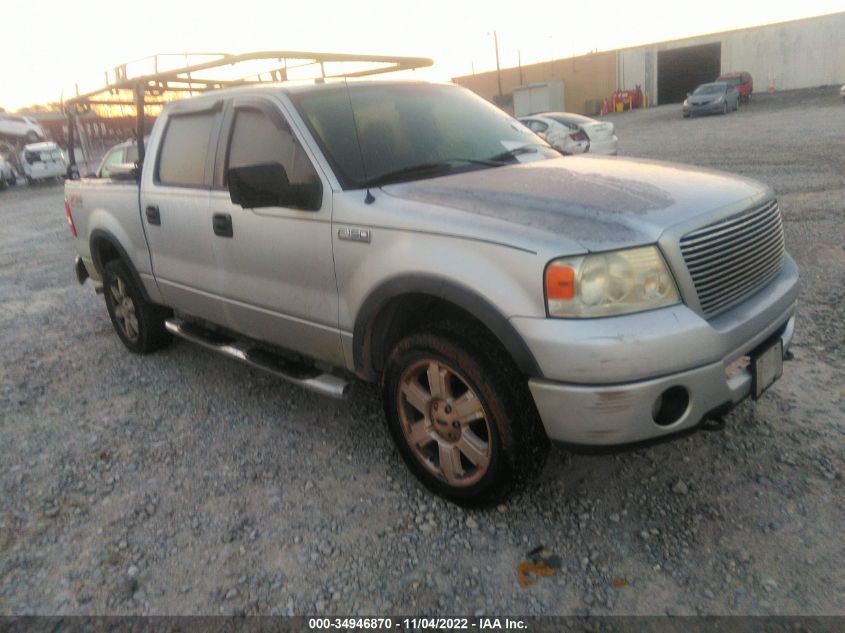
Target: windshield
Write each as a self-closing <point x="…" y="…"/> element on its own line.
<point x="404" y="126"/>
<point x="709" y="89"/>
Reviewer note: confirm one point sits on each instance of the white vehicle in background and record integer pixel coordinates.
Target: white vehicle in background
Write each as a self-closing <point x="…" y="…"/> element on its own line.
<point x="556" y="134"/>
<point x="16" y="127"/>
<point x="7" y="173"/>
<point x="601" y="134"/>
<point x="41" y="161"/>
<point x="119" y="161"/>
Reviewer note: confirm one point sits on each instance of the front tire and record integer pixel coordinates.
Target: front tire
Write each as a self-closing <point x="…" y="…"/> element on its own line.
<point x="461" y="416"/>
<point x="138" y="323"/>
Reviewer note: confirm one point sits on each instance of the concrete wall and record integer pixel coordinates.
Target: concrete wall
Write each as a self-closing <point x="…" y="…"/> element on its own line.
<point x="801" y="54"/>
<point x="637" y="67"/>
<point x="798" y="54"/>
<point x="586" y="77"/>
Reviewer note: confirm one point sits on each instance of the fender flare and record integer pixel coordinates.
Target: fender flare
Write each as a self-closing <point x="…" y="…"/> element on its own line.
<point x="457" y="294"/>
<point x="99" y="235"/>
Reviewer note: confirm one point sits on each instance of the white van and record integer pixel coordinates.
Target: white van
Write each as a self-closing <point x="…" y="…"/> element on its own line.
<point x="43" y="160"/>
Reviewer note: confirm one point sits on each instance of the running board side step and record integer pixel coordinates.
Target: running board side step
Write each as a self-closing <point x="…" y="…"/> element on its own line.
<point x="303" y="376"/>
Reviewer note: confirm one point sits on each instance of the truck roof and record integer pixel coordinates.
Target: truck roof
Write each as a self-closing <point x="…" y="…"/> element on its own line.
<point x="295" y="88"/>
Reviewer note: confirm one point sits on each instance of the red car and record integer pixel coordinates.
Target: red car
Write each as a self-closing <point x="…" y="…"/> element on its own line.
<point x="741" y="81"/>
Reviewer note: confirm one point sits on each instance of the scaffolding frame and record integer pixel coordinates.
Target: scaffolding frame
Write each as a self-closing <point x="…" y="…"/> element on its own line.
<point x="215" y="71"/>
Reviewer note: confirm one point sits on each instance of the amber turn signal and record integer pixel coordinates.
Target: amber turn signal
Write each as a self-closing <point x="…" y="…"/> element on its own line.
<point x="560" y="283"/>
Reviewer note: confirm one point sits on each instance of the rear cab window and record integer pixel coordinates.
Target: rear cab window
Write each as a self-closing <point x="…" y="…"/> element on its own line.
<point x="184" y="152"/>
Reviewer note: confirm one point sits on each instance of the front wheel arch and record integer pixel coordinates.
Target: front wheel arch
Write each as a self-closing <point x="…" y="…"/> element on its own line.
<point x="377" y="311"/>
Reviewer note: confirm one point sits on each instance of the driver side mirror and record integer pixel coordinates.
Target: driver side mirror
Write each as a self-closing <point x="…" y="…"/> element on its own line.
<point x="267" y="185"/>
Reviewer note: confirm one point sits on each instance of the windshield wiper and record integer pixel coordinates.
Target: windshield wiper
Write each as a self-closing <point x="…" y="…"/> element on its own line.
<point x="516" y="151"/>
<point x="425" y="168"/>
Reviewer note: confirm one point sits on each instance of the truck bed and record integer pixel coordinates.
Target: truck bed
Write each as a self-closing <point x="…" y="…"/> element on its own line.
<point x="113" y="208"/>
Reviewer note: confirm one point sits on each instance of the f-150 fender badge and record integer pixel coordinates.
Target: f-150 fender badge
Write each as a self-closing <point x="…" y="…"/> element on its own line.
<point x="353" y="234"/>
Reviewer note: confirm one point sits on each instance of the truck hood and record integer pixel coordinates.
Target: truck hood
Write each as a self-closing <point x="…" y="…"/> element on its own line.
<point x="601" y="202"/>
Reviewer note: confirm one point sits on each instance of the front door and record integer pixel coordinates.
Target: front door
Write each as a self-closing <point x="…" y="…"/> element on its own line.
<point x="275" y="266"/>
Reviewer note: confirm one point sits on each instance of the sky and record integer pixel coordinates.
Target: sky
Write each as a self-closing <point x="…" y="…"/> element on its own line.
<point x="53" y="45"/>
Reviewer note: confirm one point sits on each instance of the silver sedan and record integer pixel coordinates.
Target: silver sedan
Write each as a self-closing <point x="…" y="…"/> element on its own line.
<point x="715" y="98"/>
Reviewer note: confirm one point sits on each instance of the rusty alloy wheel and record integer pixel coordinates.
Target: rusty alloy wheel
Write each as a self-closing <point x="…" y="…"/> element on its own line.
<point x="124" y="310"/>
<point x="444" y="423"/>
<point x="138" y="322"/>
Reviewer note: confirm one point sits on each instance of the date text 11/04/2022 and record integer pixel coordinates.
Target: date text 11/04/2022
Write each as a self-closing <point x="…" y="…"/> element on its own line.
<point x="415" y="624"/>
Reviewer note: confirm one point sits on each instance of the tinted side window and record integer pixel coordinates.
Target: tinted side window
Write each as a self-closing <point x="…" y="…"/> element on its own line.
<point x="184" y="150"/>
<point x="258" y="139"/>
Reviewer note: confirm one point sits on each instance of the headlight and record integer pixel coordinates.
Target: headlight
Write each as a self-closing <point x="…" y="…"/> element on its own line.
<point x="605" y="284"/>
<point x="686" y="103"/>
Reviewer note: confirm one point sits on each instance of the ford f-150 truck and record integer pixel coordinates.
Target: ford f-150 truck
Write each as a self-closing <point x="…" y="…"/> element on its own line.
<point x="414" y="235"/>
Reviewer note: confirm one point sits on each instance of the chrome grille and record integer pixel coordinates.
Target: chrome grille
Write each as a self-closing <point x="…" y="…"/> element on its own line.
<point x="730" y="259"/>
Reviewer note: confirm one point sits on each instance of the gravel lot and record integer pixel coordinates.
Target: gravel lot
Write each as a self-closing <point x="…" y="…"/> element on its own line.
<point x="182" y="483"/>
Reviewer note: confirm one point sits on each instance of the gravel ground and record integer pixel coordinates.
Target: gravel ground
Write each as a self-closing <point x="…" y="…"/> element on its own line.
<point x="182" y="483"/>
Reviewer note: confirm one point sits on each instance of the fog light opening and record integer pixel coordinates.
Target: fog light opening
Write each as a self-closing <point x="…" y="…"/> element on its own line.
<point x="670" y="406"/>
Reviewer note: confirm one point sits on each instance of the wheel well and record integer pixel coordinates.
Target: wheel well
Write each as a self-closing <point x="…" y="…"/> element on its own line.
<point x="105" y="248"/>
<point x="102" y="252"/>
<point x="412" y="312"/>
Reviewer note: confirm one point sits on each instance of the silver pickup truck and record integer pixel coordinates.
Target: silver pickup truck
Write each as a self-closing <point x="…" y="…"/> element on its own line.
<point x="501" y="295"/>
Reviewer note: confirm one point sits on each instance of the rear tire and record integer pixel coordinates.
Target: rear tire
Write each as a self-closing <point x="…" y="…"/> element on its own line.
<point x="471" y="432"/>
<point x="138" y="323"/>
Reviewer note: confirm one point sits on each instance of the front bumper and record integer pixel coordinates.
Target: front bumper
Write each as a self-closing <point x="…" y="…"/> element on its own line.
<point x="602" y="377"/>
<point x="713" y="107"/>
<point x="624" y="413"/>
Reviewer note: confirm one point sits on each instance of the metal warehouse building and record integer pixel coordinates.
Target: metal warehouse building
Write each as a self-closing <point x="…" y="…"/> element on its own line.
<point x="788" y="55"/>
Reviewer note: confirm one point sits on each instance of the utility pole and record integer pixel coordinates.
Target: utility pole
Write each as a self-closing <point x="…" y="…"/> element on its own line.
<point x="498" y="69"/>
<point x="519" y="61"/>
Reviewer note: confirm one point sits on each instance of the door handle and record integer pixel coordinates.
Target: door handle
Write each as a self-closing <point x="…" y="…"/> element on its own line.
<point x="222" y="224"/>
<point x="153" y="215"/>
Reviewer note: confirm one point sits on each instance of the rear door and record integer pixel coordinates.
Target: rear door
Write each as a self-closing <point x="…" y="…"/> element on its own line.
<point x="275" y="264"/>
<point x="175" y="211"/>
